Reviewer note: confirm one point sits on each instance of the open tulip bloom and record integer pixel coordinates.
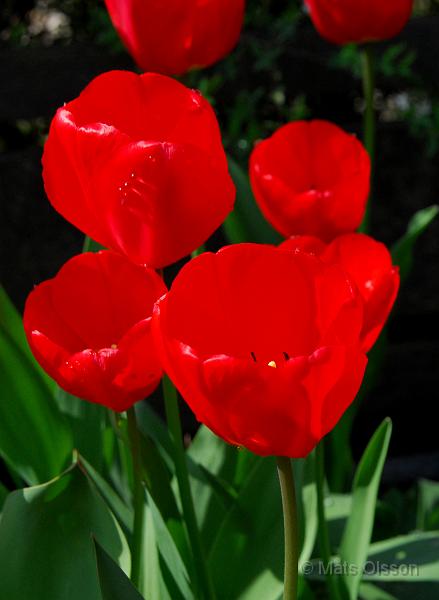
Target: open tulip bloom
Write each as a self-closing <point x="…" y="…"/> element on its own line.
<point x="264" y="345"/>
<point x="131" y="163"/>
<point x="311" y="178"/>
<point x="90" y="329"/>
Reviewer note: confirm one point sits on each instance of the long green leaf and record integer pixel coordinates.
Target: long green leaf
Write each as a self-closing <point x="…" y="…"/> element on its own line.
<point x="11" y="326"/>
<point x="87" y="422"/>
<point x="114" y="584"/>
<point x="228" y="465"/>
<point x="45" y="540"/>
<point x="402" y="251"/>
<point x="403" y="568"/>
<point x="407" y="558"/>
<point x="358" y="531"/>
<point x="3" y="495"/>
<point x="173" y="568"/>
<point x="427" y="517"/>
<point x="35" y="439"/>
<point x="246" y="559"/>
<point x="152" y="584"/>
<point x="121" y="511"/>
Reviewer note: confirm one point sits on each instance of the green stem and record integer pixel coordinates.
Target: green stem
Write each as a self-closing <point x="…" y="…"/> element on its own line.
<point x="138" y="497"/>
<point x="368" y="69"/>
<point x="181" y="471"/>
<point x="323" y="533"/>
<point x="198" y="251"/>
<point x="286" y="480"/>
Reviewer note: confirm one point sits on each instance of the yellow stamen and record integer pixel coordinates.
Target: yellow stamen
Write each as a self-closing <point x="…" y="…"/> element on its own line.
<point x="114" y="346"/>
<point x="272" y="364"/>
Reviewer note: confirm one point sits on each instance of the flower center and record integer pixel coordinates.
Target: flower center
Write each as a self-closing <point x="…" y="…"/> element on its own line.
<point x="272" y="363"/>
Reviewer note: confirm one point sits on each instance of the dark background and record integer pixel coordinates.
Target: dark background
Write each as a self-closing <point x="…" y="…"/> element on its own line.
<point x="281" y="70"/>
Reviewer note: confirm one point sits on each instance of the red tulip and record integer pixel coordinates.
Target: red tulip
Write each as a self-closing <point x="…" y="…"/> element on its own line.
<point x="136" y="162"/>
<point x="310" y="177"/>
<point x="369" y="264"/>
<point x="346" y="21"/>
<point x="263" y="345"/>
<point x="173" y="36"/>
<point x="90" y="328"/>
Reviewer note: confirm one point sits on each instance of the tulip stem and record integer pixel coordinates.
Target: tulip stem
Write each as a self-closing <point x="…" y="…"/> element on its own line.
<point x="187" y="503"/>
<point x="323" y="533"/>
<point x="198" y="251"/>
<point x="368" y="68"/>
<point x="286" y="480"/>
<point x="138" y="497"/>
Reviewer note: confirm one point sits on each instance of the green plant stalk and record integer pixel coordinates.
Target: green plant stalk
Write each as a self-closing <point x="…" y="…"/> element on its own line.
<point x="174" y="425"/>
<point x="286" y="480"/>
<point x="323" y="533"/>
<point x="198" y="251"/>
<point x="368" y="70"/>
<point x="138" y="497"/>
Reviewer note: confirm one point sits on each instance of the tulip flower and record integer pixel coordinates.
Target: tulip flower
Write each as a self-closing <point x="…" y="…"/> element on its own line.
<point x="90" y="329"/>
<point x="369" y="265"/>
<point x="359" y="21"/>
<point x="312" y="178"/>
<point x="136" y="162"/>
<point x="175" y="36"/>
<point x="264" y="345"/>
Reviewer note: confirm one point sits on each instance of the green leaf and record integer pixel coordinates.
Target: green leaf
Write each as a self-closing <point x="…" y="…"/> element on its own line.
<point x="152" y="426"/>
<point x="337" y="510"/>
<point x="400" y="591"/>
<point x="152" y="584"/>
<point x="3" y="495"/>
<point x="358" y="531"/>
<point x="369" y="591"/>
<point x="402" y="251"/>
<point x="246" y="223"/>
<point x="35" y="439"/>
<point x="158" y="479"/>
<point x="45" y="545"/>
<point x="120" y="510"/>
<point x="209" y="457"/>
<point x="87" y="422"/>
<point x="406" y="558"/>
<point x="173" y="568"/>
<point x="114" y="584"/>
<point x="306" y="493"/>
<point x="240" y="519"/>
<point x="11" y="326"/>
<point x="427" y="517"/>
<point x="246" y="557"/>
<point x="164" y="575"/>
<point x="91" y="246"/>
